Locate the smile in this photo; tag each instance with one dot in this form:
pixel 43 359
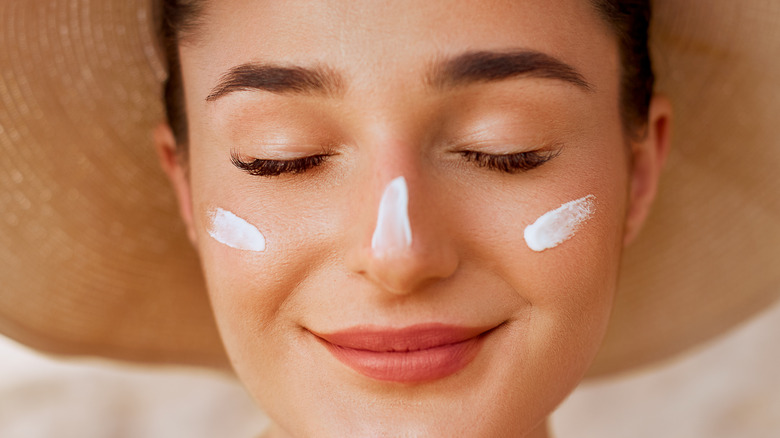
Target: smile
pixel 417 353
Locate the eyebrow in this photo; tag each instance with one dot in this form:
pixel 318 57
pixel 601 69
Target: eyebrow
pixel 277 79
pixel 464 69
pixel 486 66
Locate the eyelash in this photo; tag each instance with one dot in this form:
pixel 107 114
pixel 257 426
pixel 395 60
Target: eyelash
pixel 259 167
pixel 509 163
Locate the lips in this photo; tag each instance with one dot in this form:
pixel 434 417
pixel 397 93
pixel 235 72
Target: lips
pixel 413 354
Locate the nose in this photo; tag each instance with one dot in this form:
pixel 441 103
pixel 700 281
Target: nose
pixel 393 232
pixel 403 243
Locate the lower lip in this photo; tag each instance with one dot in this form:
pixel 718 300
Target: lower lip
pixel 409 366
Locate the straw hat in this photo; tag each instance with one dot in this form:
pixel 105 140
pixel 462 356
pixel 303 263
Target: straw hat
pixel 94 260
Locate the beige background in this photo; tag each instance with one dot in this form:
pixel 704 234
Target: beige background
pixel 727 388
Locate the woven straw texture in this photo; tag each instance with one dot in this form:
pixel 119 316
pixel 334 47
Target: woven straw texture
pixel 94 261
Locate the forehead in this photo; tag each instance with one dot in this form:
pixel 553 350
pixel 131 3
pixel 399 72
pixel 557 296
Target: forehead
pixel 385 40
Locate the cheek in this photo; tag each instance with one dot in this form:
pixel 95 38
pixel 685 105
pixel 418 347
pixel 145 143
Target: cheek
pixel 247 288
pixel 570 287
pixel 252 291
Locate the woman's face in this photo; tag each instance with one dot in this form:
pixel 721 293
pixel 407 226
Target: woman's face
pixel 453 325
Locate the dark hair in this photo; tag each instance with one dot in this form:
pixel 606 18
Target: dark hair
pixel 628 19
pixel 178 19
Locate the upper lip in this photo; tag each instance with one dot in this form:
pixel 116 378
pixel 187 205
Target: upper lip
pixel 411 338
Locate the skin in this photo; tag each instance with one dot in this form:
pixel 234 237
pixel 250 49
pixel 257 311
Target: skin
pixel 468 263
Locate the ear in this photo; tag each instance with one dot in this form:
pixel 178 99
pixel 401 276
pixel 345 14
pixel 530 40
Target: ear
pixel 648 158
pixel 176 169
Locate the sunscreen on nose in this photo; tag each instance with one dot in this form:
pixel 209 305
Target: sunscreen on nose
pixel 393 232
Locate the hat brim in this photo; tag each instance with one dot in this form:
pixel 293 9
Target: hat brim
pixel 95 260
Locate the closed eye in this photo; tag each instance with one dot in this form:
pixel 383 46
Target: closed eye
pixel 510 163
pixel 507 163
pixel 263 167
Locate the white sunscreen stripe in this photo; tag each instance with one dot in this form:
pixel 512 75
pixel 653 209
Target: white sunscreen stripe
pixel 393 231
pixel 559 225
pixel 231 230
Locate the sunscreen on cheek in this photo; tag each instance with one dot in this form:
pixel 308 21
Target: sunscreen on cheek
pixel 231 230
pixel 393 232
pixel 559 225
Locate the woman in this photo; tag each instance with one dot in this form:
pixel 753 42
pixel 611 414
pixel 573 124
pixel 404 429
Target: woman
pixel 410 217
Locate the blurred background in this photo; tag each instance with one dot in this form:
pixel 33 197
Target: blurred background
pixel 727 388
